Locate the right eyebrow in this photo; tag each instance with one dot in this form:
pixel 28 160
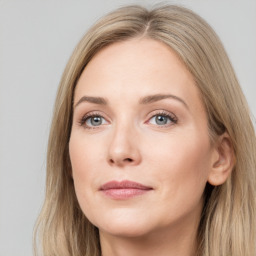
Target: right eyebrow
pixel 90 99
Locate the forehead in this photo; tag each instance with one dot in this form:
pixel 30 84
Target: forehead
pixel 135 68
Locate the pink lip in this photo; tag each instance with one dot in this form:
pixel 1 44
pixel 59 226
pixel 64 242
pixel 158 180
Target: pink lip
pixel 124 190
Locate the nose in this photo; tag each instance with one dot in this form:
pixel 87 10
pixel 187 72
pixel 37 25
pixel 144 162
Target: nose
pixel 123 147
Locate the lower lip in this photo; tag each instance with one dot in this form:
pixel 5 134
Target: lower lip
pixel 124 193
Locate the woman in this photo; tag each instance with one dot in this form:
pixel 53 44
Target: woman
pixel 151 150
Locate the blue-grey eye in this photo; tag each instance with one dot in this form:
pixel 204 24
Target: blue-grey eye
pixel 161 119
pixel 95 121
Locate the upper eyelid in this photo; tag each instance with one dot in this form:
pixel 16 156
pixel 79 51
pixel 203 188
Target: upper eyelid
pixel 92 114
pixel 162 112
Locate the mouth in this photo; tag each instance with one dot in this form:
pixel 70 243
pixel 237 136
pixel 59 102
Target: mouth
pixel 121 190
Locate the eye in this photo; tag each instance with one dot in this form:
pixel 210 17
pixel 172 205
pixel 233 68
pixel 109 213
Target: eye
pixel 163 119
pixel 94 121
pixel 91 121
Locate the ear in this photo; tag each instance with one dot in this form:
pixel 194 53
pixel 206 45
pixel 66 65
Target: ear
pixel 223 160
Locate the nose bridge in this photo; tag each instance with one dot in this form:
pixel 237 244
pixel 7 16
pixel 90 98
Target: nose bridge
pixel 123 146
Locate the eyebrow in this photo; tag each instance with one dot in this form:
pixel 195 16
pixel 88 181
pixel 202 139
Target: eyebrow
pixel 90 99
pixel 157 97
pixel 145 100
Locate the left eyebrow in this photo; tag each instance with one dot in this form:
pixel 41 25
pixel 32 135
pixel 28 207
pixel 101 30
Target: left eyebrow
pixel 157 97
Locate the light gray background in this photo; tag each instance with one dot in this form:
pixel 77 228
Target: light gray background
pixel 36 40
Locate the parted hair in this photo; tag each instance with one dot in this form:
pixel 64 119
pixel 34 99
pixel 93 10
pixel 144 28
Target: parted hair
pixel 228 225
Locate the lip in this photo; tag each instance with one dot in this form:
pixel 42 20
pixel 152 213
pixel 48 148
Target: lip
pixel 121 190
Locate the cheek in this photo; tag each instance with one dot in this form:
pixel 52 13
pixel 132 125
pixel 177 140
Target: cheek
pixel 181 172
pixel 82 164
pixel 182 165
pixel 84 154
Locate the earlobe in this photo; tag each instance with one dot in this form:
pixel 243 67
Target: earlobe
pixel 223 161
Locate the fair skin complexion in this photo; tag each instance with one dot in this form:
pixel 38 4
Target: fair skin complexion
pixel 138 117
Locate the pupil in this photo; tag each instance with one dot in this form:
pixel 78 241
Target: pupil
pixel 161 120
pixel 96 120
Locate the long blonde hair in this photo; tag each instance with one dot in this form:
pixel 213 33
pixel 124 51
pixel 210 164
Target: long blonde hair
pixel 228 223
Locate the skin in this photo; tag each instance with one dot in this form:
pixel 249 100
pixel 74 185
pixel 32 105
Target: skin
pixel 175 160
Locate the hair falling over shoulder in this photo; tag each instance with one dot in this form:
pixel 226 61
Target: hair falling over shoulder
pixel 228 223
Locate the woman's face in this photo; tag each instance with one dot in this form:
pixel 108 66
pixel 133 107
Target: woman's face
pixel 139 146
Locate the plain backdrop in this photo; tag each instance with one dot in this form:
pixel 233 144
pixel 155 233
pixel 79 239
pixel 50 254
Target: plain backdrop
pixel 36 40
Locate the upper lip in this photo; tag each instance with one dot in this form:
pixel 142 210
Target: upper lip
pixel 125 184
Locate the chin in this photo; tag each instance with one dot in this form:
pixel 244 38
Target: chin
pixel 124 224
pixel 130 231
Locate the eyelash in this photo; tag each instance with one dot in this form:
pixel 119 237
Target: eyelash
pixel 173 119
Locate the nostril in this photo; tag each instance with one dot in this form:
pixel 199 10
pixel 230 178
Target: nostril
pixel 128 160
